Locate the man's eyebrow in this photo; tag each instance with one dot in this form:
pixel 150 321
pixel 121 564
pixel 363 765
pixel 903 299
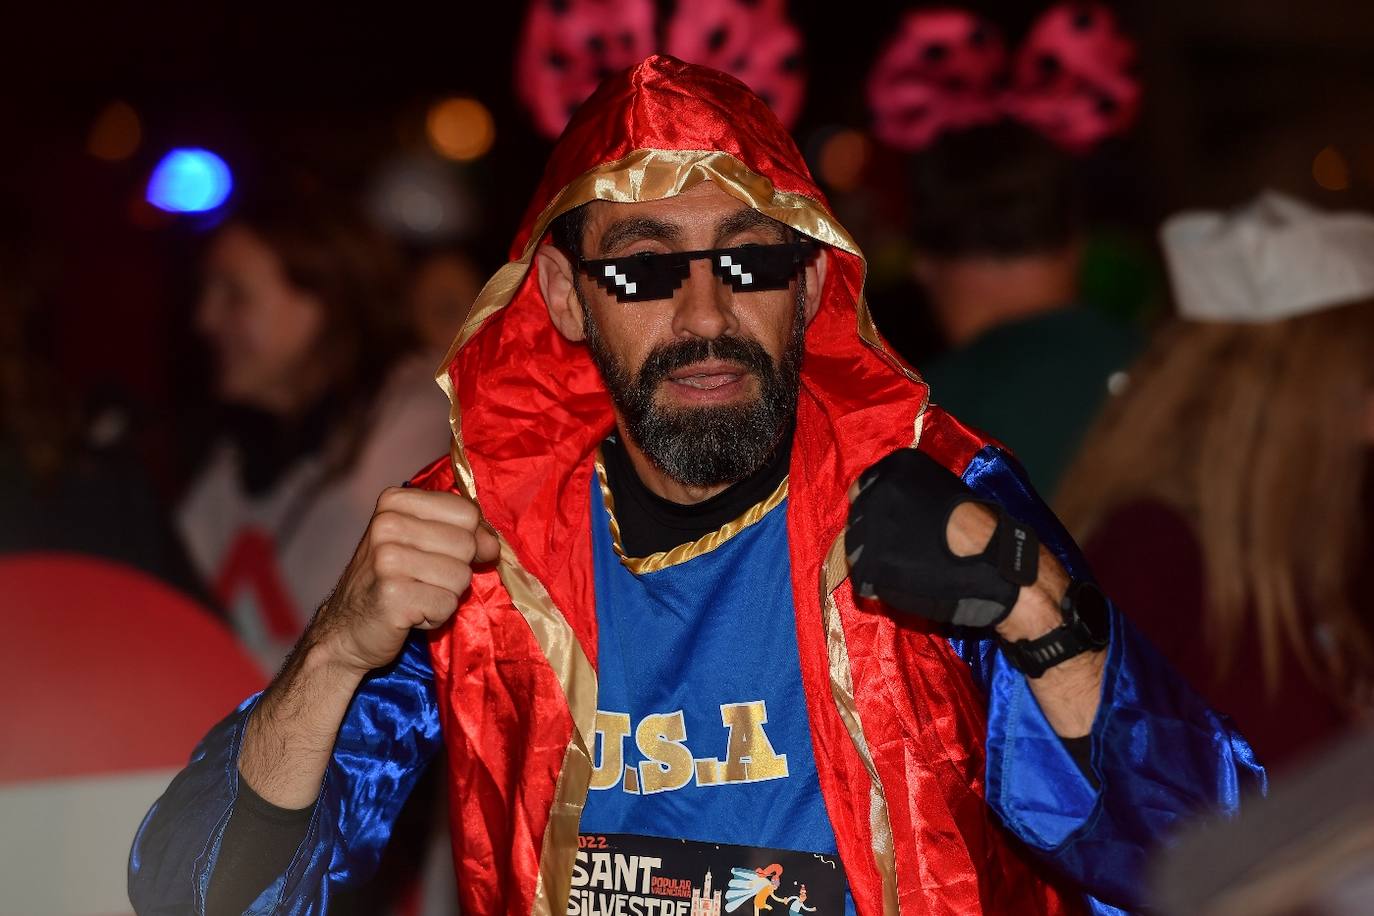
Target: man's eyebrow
pixel 742 221
pixel 634 228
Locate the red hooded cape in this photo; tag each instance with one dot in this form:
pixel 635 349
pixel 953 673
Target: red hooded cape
pixel 898 725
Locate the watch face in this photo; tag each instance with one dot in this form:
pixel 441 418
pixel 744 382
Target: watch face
pixel 1091 607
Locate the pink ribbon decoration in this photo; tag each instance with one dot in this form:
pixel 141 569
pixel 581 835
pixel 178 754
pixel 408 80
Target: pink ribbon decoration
pixel 568 47
pixel 753 42
pixel 948 69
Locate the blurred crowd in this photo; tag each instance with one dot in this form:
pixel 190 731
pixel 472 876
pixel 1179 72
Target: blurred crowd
pixel 1221 429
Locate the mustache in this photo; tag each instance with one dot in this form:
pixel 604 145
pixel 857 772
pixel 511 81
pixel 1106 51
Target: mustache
pixel 665 359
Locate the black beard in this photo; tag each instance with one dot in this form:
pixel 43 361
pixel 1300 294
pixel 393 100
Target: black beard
pixel 706 446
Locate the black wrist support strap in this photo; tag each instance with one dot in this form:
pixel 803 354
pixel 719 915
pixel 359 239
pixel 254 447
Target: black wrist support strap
pixel 898 550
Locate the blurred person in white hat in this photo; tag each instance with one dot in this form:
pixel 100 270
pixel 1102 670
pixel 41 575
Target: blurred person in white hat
pixel 1238 458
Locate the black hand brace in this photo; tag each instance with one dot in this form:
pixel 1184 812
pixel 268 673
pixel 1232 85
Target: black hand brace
pixel 898 550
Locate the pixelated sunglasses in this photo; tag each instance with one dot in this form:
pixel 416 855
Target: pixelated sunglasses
pixel 749 268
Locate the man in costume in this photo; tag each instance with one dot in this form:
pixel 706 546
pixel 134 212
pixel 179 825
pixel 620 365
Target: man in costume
pixel 661 666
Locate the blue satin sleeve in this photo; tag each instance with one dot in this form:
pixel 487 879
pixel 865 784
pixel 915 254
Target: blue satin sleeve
pixel 389 735
pixel 1160 753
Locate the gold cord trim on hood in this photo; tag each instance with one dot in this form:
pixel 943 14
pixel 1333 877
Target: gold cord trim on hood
pixel 693 549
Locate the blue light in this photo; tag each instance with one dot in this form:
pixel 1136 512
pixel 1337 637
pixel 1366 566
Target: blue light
pixel 189 181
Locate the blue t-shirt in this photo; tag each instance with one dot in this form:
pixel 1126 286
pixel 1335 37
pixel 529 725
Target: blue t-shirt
pixel 702 727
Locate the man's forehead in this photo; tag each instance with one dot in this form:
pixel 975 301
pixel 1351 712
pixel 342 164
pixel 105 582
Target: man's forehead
pixel 702 208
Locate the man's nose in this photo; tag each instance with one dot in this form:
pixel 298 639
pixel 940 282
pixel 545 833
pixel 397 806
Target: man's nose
pixel 704 307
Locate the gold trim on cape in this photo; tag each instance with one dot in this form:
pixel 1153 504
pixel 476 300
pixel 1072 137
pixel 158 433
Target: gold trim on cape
pixel 842 690
pixel 646 174
pixel 578 679
pixel 693 549
pixel 834 571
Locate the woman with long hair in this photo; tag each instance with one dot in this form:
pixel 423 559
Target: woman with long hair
pixel 1238 458
pixel 325 404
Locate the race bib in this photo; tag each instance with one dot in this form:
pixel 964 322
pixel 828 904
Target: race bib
pixel 619 874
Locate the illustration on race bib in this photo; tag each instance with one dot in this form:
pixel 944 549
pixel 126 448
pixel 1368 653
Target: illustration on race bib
pixel 797 904
pixel 759 885
pixel 632 875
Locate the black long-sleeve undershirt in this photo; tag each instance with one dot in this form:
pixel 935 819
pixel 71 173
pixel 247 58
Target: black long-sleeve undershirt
pixel 258 844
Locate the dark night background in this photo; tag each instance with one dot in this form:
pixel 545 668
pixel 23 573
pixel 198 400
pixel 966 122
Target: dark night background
pixel 320 99
pixel 1238 95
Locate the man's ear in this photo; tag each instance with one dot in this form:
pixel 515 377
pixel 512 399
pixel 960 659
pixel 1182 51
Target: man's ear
pixel 557 277
pixel 815 282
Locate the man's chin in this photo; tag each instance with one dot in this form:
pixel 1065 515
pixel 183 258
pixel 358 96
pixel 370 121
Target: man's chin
pixel 705 444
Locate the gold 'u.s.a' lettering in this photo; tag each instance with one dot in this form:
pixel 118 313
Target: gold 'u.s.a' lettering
pixel 668 763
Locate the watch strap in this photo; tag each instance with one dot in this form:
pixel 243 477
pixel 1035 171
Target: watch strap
pixel 1033 657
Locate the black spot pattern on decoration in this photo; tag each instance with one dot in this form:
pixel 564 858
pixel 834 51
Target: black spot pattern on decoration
pixel 559 7
pixel 978 37
pixel 935 53
pixel 956 84
pixel 914 114
pixel 908 74
pixel 767 99
pixel 556 60
pixel 1083 20
pixel 1048 66
pixel 740 63
pixel 596 44
pixel 627 40
pixel 1107 106
pixel 716 40
pixel 602 72
pixel 791 63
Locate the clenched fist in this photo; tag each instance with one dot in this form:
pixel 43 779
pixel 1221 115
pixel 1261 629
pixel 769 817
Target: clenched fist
pixel 919 540
pixel 409 571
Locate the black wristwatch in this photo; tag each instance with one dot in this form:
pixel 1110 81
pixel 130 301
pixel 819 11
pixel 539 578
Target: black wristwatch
pixel 1086 628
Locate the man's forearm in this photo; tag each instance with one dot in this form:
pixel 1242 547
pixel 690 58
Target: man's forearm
pixel 291 733
pixel 1069 692
pixel 409 571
